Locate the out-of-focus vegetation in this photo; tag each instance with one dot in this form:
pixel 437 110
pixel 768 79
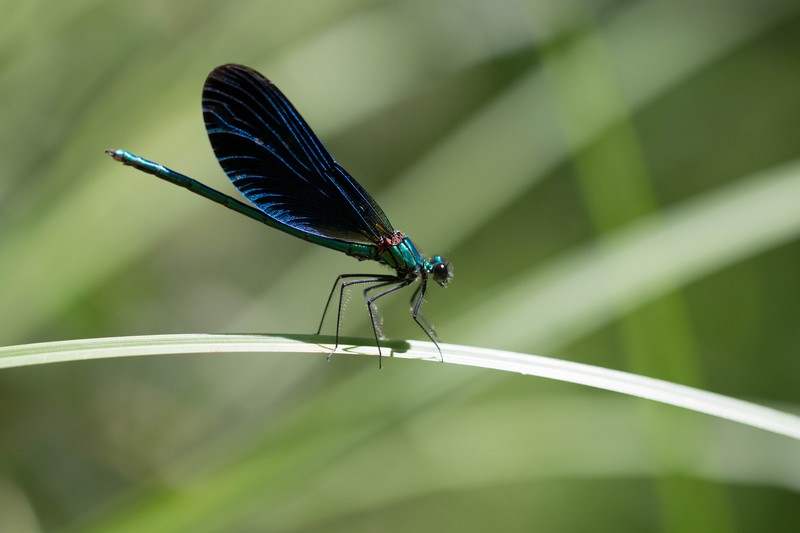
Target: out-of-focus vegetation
pixel 616 183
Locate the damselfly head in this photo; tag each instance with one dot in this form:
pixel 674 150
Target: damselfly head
pixel 441 270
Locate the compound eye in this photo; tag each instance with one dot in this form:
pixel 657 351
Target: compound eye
pixel 441 273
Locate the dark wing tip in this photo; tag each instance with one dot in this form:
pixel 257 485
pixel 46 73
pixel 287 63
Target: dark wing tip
pixel 228 70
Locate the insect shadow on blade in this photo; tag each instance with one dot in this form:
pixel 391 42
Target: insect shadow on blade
pixel 277 162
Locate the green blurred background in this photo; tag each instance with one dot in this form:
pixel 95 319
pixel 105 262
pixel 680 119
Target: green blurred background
pixel 616 183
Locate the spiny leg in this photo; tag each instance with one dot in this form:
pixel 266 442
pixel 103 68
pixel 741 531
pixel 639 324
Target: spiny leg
pixel 333 290
pixel 371 288
pixel 401 283
pixel 380 279
pixel 376 287
pixel 416 315
pixel 421 317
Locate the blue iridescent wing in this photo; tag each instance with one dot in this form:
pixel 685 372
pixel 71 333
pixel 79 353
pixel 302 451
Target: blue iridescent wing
pixel 276 161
